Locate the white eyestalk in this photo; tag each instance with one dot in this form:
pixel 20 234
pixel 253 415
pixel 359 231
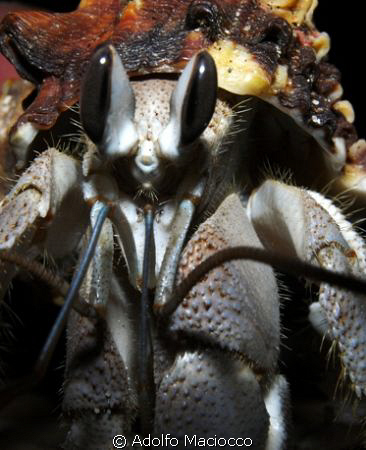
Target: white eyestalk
pixel 107 105
pixel 191 107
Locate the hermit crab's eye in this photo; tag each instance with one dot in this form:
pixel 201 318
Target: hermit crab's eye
pixel 199 97
pixel 107 104
pixel 205 15
pixel 192 105
pixel 96 94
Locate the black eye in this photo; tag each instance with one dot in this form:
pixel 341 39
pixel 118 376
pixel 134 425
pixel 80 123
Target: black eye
pixel 205 15
pixel 200 98
pixel 96 94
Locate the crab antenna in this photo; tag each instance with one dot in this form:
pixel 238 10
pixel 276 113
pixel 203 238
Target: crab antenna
pixel 146 375
pixel 27 382
pixel 107 104
pixel 284 263
pixel 192 105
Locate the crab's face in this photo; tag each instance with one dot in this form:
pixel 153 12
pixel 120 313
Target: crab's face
pixel 149 131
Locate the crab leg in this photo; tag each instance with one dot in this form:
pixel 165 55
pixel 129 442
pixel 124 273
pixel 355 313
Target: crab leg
pixel 179 229
pixel 96 286
pixel 301 223
pixel 41 208
pixel 100 396
pixel 234 309
pixel 55 333
pixel 60 323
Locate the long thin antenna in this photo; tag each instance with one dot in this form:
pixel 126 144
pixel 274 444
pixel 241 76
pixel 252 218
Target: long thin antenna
pixel 146 369
pixel 290 265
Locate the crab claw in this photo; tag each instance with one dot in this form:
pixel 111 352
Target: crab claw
pixel 191 106
pixel 107 105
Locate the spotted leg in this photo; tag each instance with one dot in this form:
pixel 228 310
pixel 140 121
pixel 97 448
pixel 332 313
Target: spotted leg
pixel 217 371
pixel 306 225
pixel 43 212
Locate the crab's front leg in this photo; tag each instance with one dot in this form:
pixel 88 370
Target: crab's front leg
pixel 222 379
pixel 44 211
pixel 304 224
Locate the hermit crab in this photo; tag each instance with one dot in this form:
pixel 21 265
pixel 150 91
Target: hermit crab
pixel 190 117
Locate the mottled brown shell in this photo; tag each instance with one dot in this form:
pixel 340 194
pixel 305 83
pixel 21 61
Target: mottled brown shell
pixel 266 48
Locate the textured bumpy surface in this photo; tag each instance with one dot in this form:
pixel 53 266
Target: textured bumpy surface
pixel 222 308
pixel 232 329
pixel 303 223
pixel 98 389
pixel 224 392
pixel 32 204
